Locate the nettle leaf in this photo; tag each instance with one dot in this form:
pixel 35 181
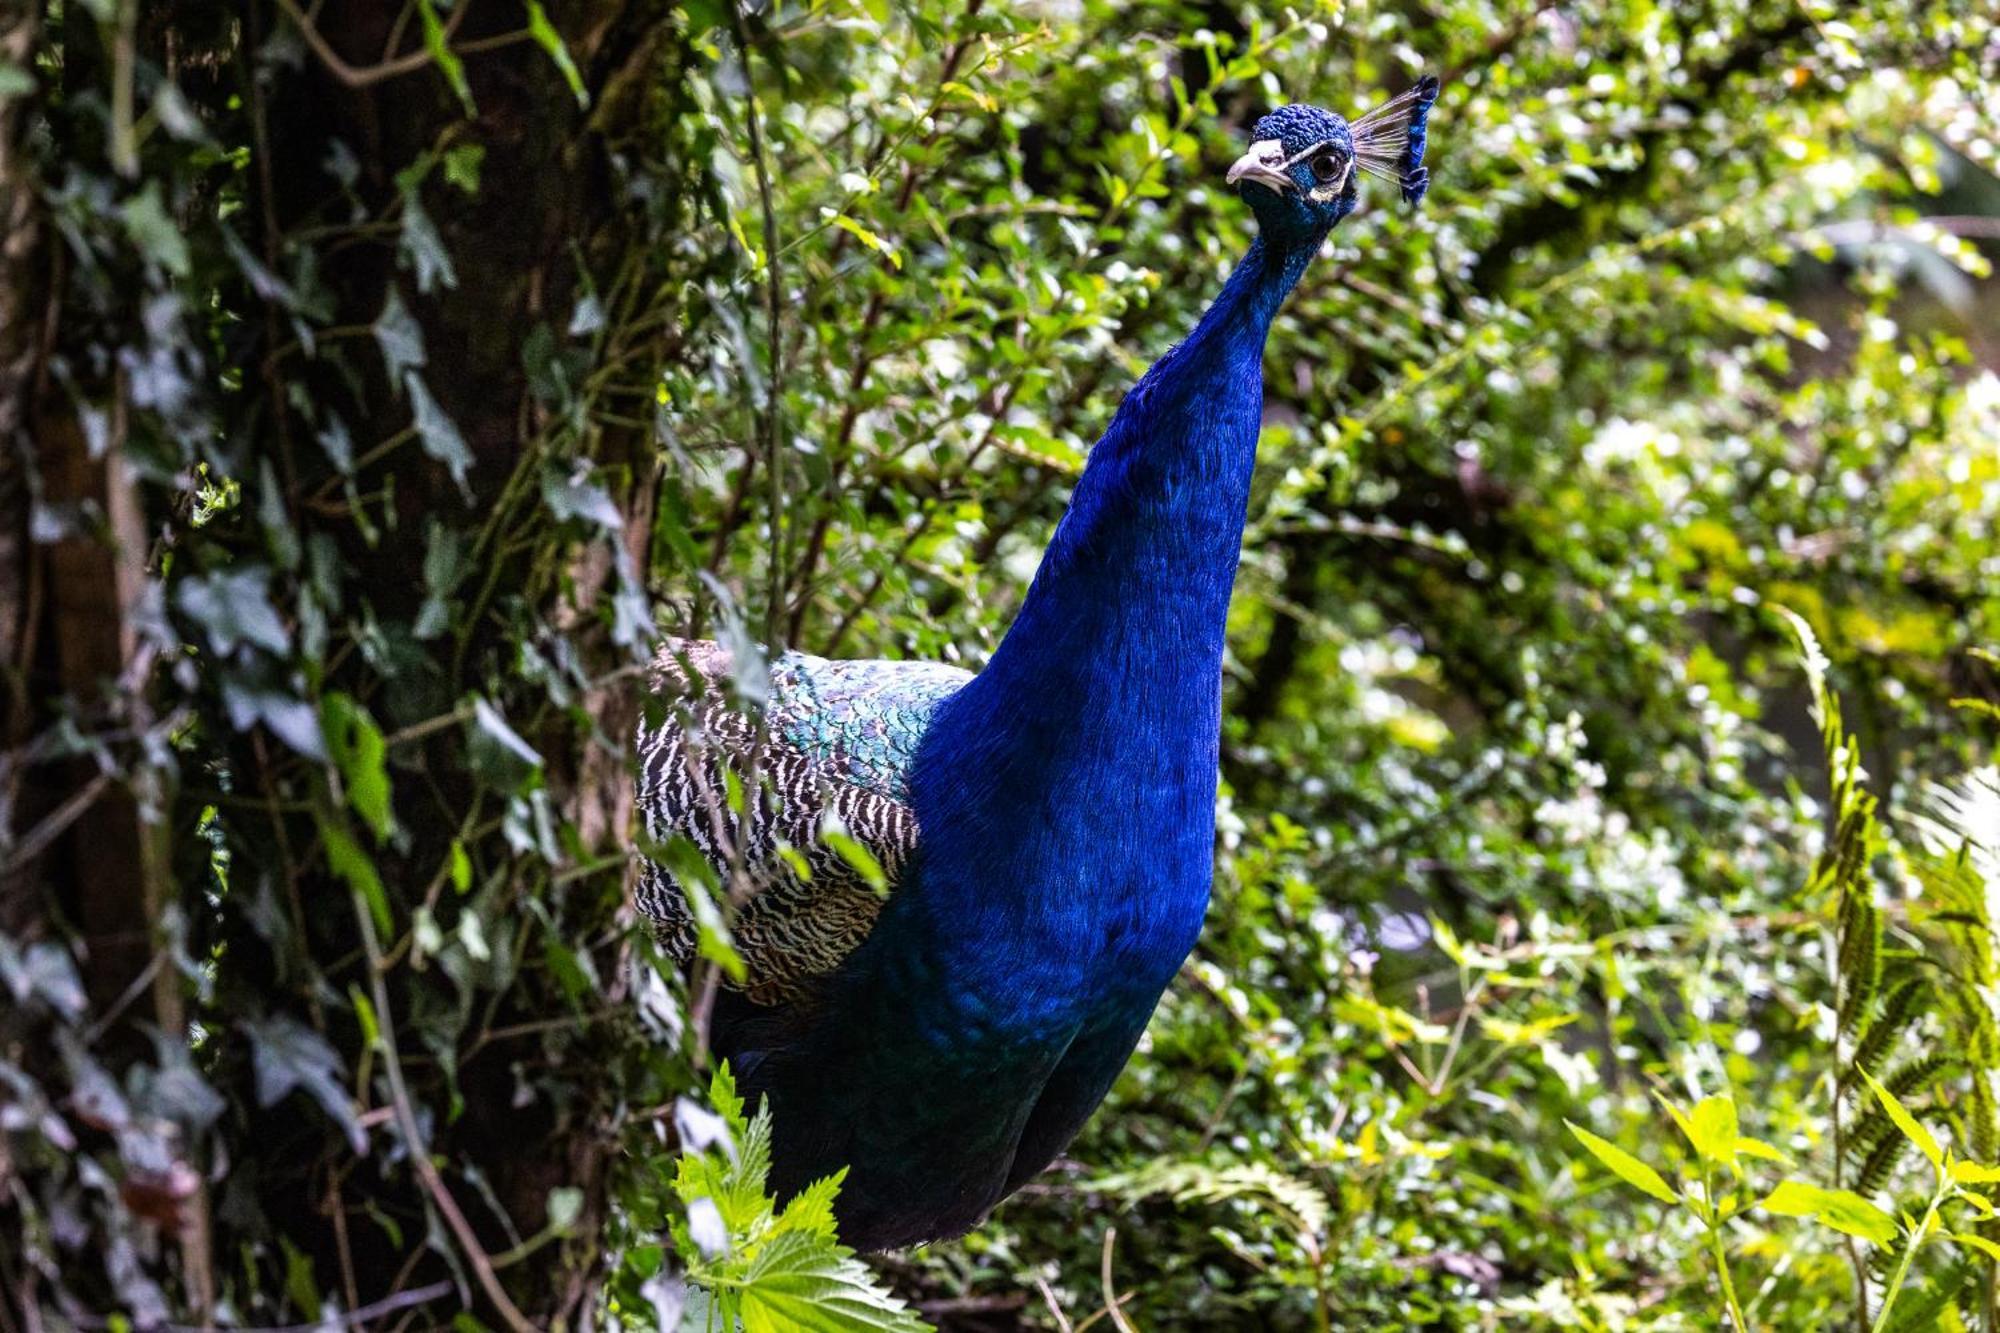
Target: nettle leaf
pixel 286 1055
pixel 1625 1166
pixel 800 1282
pixel 1843 1210
pixel 1911 1128
pixel 1712 1130
pixel 361 756
pixel 1990 1249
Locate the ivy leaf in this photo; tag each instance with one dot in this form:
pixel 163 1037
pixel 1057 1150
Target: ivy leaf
pixel 360 754
pixel 346 859
pixel 551 42
pixel 421 244
pixel 800 1282
pixel 500 758
pixel 1912 1128
pixel 576 496
pixel 290 718
pixel 438 433
pixel 399 336
pixel 1625 1166
pixel 235 607
pixel 438 42
pixel 1843 1210
pixel 462 164
pixel 286 1055
pixel 157 236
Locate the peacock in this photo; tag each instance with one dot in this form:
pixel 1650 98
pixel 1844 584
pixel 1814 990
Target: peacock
pixel 1003 871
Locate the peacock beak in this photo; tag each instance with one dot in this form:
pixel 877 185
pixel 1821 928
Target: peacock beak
pixel 1261 165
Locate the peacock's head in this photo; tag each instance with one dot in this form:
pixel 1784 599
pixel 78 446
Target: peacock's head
pixel 1301 175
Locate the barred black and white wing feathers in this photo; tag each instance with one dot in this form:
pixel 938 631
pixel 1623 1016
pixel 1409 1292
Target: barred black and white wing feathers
pixel 842 736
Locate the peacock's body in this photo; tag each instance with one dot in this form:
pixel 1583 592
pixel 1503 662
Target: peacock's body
pixel 1047 826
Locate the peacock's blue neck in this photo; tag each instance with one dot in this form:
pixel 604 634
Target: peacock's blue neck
pixel 1136 582
pixel 1067 793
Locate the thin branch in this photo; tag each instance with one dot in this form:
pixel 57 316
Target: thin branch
pixel 774 387
pixel 361 76
pixel 413 1141
pixel 50 828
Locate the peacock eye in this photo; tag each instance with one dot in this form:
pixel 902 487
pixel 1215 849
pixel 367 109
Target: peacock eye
pixel 1325 167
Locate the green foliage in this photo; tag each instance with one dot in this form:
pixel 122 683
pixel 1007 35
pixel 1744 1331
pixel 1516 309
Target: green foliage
pixel 751 1261
pixel 1561 973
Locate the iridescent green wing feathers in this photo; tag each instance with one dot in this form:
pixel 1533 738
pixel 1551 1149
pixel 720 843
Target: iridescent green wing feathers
pixel 842 738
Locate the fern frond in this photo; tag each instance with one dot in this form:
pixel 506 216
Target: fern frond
pixel 1877 1036
pixel 1920 1074
pixel 1982 1119
pixel 1880 1161
pixel 1860 963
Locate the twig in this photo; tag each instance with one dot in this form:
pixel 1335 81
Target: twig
pixel 774 388
pixel 50 828
pixel 1111 1299
pixel 402 1300
pixel 413 1141
pixel 1049 1299
pixel 361 76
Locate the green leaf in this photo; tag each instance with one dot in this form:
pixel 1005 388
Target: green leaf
pixel 1749 1147
pixel 868 238
pixel 1843 1210
pixel 857 856
pixel 551 42
pixel 1972 1173
pixel 1712 1129
pixel 157 235
pixel 1625 1166
pixel 346 859
pixel 565 1206
pixel 360 754
pixel 462 164
pixel 1986 1247
pixel 438 43
pixel 1911 1127
pixel 800 1282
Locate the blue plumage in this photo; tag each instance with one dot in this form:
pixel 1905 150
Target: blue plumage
pixel 1063 800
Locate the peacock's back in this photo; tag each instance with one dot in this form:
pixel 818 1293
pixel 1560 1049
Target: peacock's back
pixel 841 738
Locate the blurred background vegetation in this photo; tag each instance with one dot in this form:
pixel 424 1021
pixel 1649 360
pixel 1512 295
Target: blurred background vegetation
pixel 379 379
